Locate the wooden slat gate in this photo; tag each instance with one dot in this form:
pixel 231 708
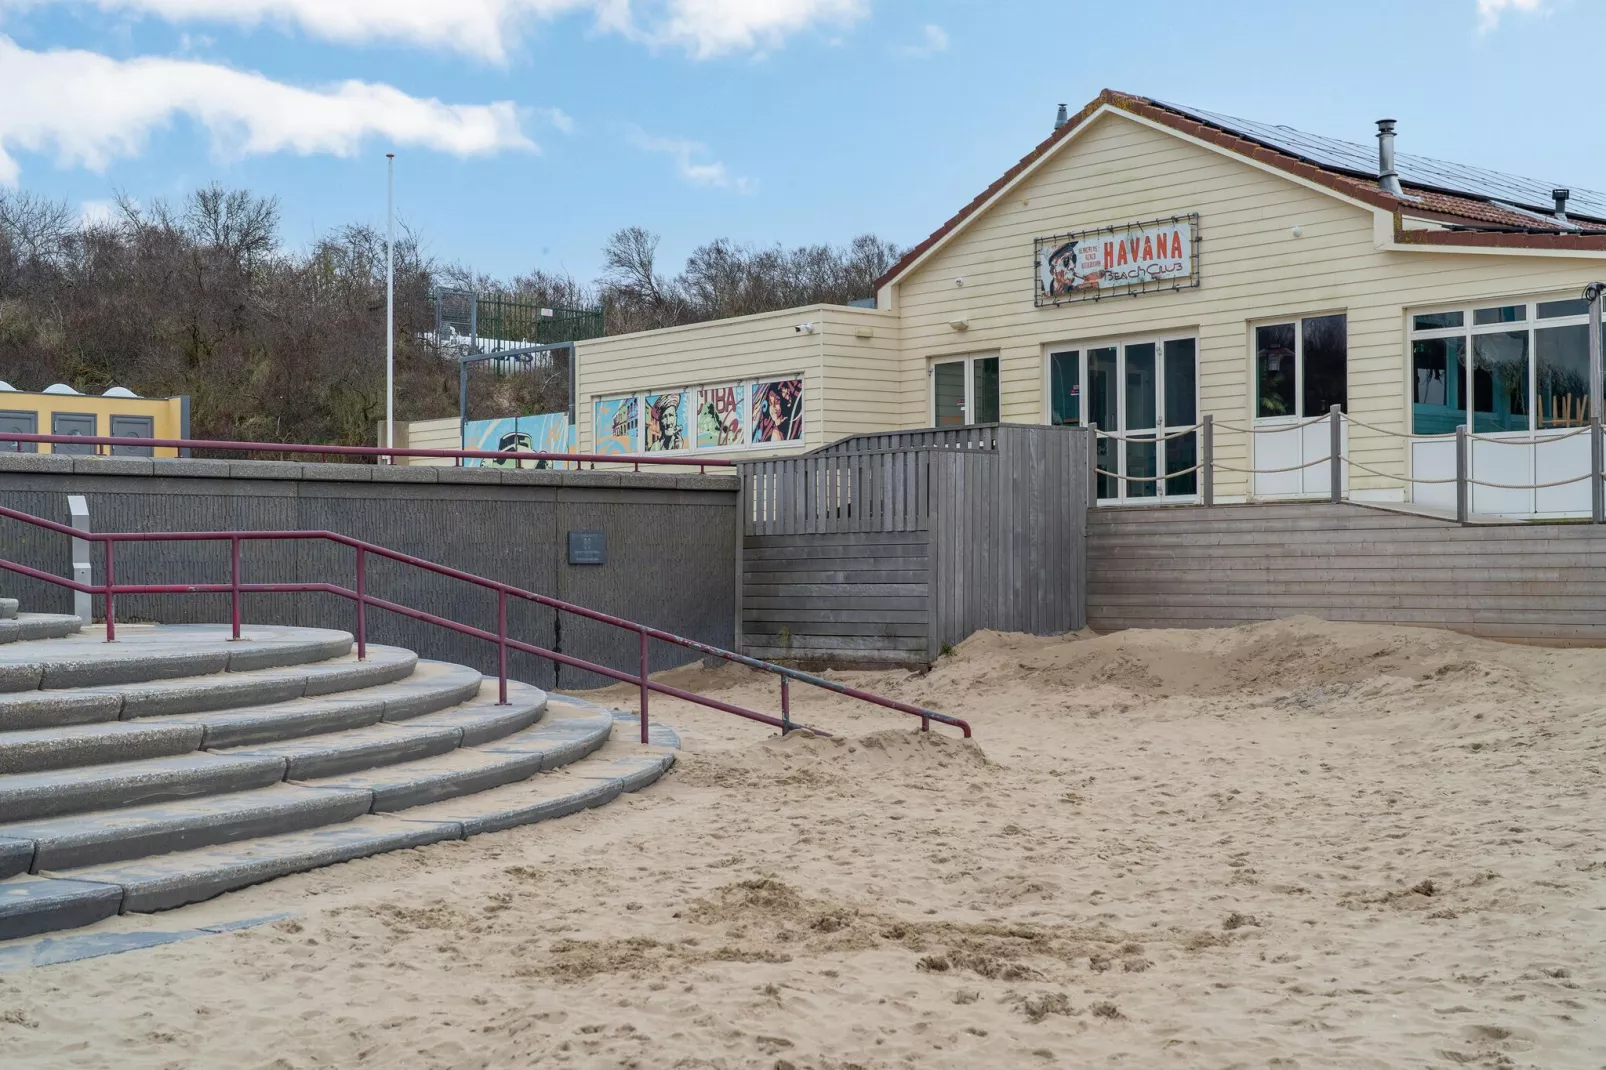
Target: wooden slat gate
pixel 883 554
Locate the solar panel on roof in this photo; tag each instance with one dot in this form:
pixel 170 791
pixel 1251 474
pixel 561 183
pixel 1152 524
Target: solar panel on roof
pixel 1441 175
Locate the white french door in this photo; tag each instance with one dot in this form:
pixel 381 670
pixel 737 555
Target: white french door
pixel 1140 392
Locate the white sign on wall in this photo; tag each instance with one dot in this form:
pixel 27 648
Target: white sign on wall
pixel 1129 258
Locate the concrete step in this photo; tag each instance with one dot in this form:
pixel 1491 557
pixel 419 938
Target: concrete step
pixel 388 744
pixel 171 880
pixel 555 742
pixel 159 828
pixel 205 692
pixel 24 796
pixel 432 686
pixel 188 876
pixel 8 608
pixel 35 750
pixel 25 627
pixel 615 768
pixel 149 652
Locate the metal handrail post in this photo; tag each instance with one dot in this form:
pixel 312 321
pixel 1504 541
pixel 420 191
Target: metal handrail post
pixel 1461 488
pixel 111 597
pixel 1207 459
pixel 644 685
pixel 362 604
pixel 786 705
pixel 234 587
pixel 501 648
pixel 1336 447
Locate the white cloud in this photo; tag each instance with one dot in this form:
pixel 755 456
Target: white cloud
pixel 933 39
pixel 487 28
pixel 713 174
pixel 90 109
pixel 99 213
pixel 1489 11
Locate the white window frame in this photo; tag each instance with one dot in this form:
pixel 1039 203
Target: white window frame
pixel 969 361
pixel 1297 320
pixel 1467 330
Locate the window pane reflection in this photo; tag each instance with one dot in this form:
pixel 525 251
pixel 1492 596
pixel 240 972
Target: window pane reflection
pixel 1500 381
pixel 1274 368
pixel 1562 358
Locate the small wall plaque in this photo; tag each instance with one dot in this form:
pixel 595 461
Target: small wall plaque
pixel 587 548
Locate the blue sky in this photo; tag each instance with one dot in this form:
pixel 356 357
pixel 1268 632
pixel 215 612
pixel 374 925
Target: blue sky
pixel 528 130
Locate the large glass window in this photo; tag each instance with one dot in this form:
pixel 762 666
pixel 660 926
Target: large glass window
pixel 1302 368
pixel 964 391
pixel 1064 388
pixel 1529 367
pixel 1138 392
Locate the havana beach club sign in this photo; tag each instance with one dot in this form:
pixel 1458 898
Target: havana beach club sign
pixel 1159 254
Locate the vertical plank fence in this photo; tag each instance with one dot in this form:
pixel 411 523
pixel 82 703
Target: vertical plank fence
pixel 881 549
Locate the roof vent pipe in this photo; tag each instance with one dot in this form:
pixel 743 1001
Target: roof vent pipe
pixel 1387 177
pixel 1062 118
pixel 1561 196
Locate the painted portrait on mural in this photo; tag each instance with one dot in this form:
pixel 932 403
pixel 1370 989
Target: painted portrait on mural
pixel 617 422
pixel 778 411
pixel 719 417
pixel 667 423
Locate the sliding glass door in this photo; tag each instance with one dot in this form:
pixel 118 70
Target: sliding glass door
pixel 1139 391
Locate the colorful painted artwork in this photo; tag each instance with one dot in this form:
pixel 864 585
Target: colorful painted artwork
pixel 547 433
pixel 616 425
pixel 500 434
pixel 719 417
pixel 668 422
pixel 777 409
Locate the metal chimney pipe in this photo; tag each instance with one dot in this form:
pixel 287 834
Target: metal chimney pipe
pixel 1387 177
pixel 1561 196
pixel 1062 118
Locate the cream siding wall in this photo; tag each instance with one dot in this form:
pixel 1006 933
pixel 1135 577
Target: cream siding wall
pixel 1253 269
pixel 868 385
pixel 705 354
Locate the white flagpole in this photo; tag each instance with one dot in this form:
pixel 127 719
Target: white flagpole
pixel 390 304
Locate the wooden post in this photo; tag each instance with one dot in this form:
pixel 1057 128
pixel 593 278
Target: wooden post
pixel 1092 466
pixel 1335 416
pixel 1207 460
pixel 1461 489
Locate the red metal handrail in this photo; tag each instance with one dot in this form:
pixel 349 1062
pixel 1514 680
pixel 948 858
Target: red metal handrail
pixel 110 589
pixel 634 459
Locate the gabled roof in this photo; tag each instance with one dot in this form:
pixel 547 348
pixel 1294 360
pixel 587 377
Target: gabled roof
pixel 1478 207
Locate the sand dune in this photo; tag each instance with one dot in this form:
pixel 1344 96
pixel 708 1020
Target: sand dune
pixel 1297 844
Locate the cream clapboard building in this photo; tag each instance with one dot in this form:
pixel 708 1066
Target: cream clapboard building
pixel 1307 278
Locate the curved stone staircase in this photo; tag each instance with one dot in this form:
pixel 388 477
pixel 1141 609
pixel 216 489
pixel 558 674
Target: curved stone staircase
pixel 177 764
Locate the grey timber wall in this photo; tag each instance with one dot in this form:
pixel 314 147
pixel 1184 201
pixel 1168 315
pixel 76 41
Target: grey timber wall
pixel 883 552
pixel 1196 567
pixel 671 548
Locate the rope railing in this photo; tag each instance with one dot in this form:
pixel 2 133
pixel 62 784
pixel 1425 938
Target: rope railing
pixel 1342 461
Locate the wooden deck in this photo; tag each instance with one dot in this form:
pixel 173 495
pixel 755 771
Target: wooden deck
pixel 1197 567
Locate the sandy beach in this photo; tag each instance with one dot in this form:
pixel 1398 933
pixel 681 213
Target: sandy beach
pixel 1295 844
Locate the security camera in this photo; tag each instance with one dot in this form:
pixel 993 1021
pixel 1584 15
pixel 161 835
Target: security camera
pixel 804 328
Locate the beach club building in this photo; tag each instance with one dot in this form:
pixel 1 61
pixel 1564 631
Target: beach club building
pixel 1148 264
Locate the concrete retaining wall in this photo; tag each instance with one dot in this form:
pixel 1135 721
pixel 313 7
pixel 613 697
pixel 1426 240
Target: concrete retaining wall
pixel 671 548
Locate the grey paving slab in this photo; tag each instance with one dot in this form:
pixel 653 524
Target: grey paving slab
pixel 24 796
pixel 404 473
pixel 181 825
pixel 347 473
pixel 33 905
pixel 56 950
pixel 16 856
pixel 35 750
pixel 8 608
pixel 429 688
pixel 264 470
pixel 559 740
pixel 94 465
pixel 191 876
pixel 460 772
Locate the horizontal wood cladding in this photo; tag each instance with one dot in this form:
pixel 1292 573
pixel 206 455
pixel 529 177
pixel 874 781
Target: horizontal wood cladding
pixel 844 597
pixel 1228 565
